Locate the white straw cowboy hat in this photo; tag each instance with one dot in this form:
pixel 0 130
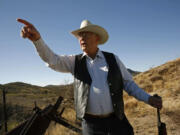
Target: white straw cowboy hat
pixel 88 26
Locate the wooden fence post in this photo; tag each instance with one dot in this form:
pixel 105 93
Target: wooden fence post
pixel 4 110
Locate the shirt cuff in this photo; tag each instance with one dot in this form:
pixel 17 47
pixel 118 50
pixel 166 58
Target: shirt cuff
pixel 38 42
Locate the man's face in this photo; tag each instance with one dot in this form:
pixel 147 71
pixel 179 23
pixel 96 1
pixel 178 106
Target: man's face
pixel 88 41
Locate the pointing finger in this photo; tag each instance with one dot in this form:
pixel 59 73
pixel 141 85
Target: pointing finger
pixel 29 31
pixel 24 22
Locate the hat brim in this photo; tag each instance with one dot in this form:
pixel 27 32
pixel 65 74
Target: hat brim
pixel 95 29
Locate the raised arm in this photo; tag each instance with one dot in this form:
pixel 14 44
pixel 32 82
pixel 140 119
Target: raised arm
pixel 61 63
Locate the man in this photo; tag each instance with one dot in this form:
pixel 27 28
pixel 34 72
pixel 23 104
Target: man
pixel 99 80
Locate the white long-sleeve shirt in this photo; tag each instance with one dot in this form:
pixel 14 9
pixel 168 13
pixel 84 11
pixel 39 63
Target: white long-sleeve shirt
pixel 99 101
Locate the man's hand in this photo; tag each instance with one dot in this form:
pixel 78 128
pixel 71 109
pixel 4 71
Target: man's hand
pixel 155 101
pixel 29 31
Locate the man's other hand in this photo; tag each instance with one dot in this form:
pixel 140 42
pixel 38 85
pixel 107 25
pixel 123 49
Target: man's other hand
pixel 155 101
pixel 29 31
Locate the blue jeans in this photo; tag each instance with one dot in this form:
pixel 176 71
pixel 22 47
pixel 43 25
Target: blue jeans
pixel 106 126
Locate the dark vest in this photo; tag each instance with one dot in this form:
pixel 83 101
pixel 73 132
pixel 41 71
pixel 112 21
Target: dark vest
pixel 82 83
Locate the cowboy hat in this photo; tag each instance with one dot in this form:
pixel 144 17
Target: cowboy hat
pixel 88 26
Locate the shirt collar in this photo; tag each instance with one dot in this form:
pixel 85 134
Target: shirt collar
pixel 98 55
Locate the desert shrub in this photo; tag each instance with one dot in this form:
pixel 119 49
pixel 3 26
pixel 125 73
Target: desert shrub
pixel 163 71
pixel 156 78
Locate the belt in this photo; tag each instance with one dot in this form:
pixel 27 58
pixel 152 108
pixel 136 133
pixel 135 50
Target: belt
pixel 87 115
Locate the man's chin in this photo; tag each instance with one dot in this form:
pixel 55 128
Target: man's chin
pixel 84 49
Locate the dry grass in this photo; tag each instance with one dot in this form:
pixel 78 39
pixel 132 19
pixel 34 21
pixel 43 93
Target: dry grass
pixel 165 81
pixel 56 129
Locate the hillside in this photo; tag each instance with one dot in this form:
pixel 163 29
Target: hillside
pixel 163 80
pixel 20 98
pixel 132 72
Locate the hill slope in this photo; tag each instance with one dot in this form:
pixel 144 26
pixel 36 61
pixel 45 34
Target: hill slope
pixel 165 81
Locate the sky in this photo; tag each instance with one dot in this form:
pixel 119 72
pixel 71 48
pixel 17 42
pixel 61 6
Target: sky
pixel 142 33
